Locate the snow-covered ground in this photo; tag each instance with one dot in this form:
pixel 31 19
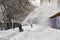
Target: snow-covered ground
pixel 37 32
pixel 47 34
pixel 7 34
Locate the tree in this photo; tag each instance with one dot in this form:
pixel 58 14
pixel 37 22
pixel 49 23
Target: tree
pixel 12 8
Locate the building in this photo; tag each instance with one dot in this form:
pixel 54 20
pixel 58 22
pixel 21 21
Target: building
pixel 55 21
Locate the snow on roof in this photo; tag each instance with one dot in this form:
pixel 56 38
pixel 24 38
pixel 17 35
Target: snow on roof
pixel 54 13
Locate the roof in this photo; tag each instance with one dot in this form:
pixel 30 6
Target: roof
pixel 55 15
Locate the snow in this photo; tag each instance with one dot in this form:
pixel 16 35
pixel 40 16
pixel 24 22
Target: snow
pixel 7 34
pixel 37 32
pixel 42 14
pixel 45 34
pixel 40 30
pixel 34 28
